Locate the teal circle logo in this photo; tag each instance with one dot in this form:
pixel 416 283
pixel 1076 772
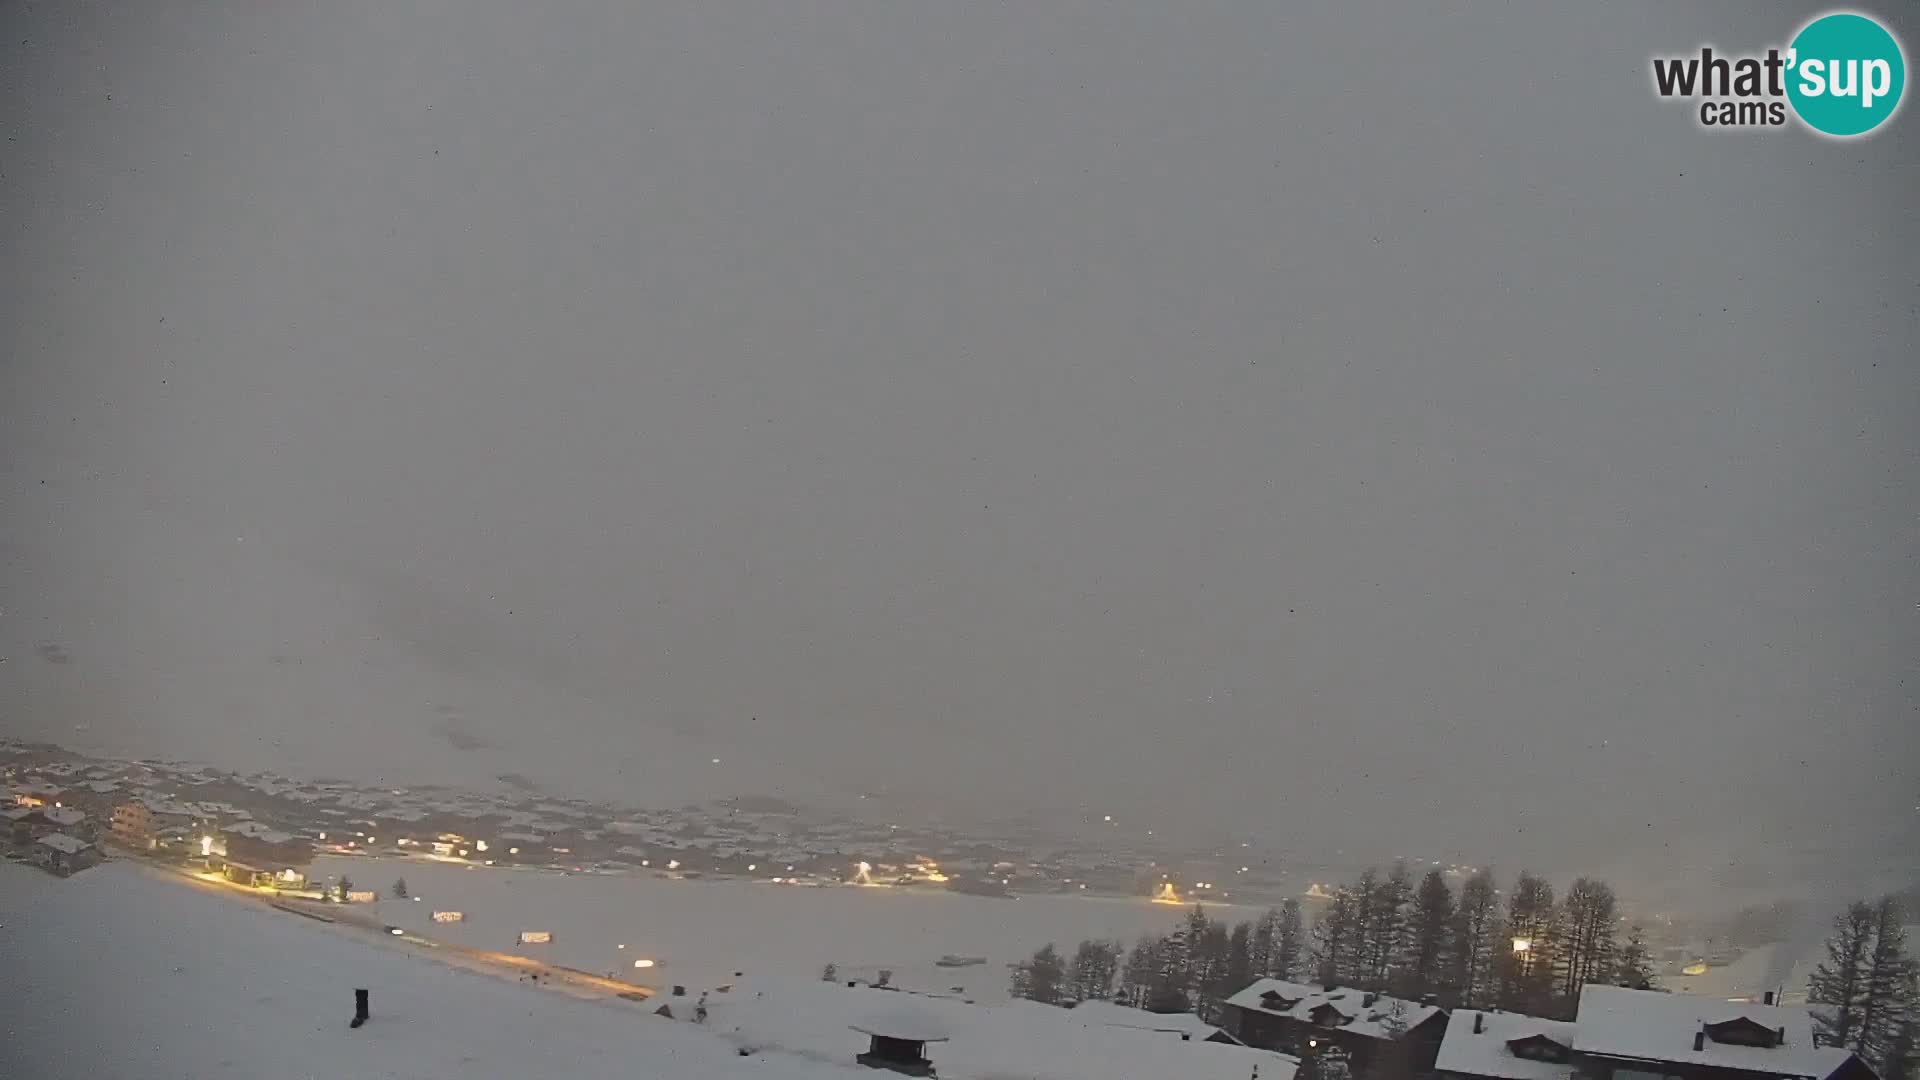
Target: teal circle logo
pixel 1846 74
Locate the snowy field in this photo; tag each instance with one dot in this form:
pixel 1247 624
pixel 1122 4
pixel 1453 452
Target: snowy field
pixel 701 932
pixel 127 972
pixel 118 973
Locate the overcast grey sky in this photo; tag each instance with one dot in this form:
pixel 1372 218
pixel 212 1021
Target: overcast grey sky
pixel 1382 429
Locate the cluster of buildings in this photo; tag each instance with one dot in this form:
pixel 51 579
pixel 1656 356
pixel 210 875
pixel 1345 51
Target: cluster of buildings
pixel 1616 1034
pixel 266 828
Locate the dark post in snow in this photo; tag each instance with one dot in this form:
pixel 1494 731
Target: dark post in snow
pixel 359 1007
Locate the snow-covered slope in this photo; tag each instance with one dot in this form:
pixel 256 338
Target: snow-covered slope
pixel 119 973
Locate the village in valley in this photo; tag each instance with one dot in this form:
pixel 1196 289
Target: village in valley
pixel 1394 975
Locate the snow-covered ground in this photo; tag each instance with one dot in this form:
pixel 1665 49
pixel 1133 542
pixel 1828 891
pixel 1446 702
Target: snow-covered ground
pixel 701 932
pixel 117 972
pixel 124 971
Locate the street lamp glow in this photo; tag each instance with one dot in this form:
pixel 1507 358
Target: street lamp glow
pixel 643 963
pixel 1521 945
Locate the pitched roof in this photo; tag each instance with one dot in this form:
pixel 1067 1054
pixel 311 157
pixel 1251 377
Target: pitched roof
pixel 1365 1013
pixel 1488 1052
pixel 1652 1026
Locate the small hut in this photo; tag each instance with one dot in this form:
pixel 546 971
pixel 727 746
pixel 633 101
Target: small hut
pixel 900 1041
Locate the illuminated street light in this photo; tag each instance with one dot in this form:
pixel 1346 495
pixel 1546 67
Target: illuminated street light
pixel 1521 945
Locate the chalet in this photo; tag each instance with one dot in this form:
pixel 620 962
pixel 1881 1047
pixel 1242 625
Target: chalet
pixel 64 854
pixel 1504 1046
pixel 1622 1034
pixel 1302 1019
pixel 66 819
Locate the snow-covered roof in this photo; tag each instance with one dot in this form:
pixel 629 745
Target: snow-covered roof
pixel 101 787
pixel 1112 1015
pixel 1486 1052
pixel 64 816
pixel 64 843
pixel 902 1021
pixel 1652 1026
pixel 17 813
pixel 256 831
pixel 1366 1013
pixel 1024 1039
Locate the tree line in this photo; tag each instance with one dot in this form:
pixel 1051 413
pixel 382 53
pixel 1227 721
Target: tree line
pixel 1382 932
pixel 1864 993
pixel 1532 954
pixel 1193 968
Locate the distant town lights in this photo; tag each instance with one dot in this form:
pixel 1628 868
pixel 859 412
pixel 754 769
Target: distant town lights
pixel 643 963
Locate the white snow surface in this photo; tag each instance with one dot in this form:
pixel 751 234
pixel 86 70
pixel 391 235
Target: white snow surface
pixel 1656 1026
pixel 984 1042
pixel 1174 1025
pixel 116 972
pixel 700 932
pixel 1486 1054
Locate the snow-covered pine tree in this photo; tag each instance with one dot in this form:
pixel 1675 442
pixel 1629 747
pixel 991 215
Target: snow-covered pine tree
pixel 1837 989
pixel 1288 942
pixel 1041 978
pixel 1239 971
pixel 1138 973
pixel 1094 965
pixel 1260 946
pixel 1634 967
pixel 1889 999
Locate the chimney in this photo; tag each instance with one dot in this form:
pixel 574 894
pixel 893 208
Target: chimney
pixel 1766 998
pixel 1366 1001
pixel 359 1008
pixel 1700 1040
pixel 1780 1035
pixel 1479 1023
